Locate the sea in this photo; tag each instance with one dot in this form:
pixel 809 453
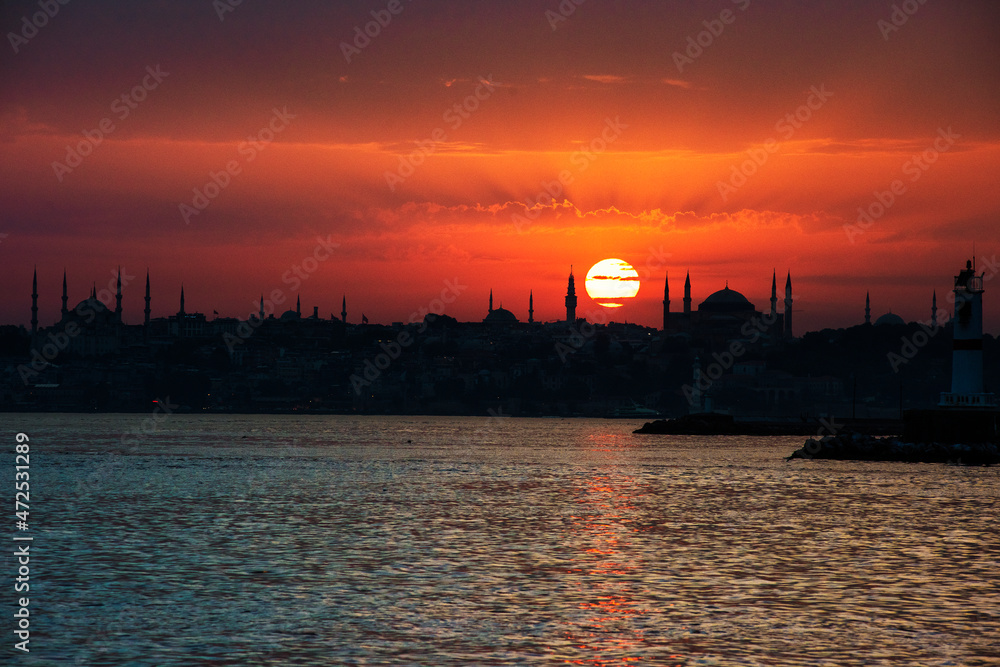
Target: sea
pixel 172 539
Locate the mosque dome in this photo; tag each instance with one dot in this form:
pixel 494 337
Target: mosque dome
pixel 290 316
pixel 726 301
pixel 890 319
pixel 500 316
pixel 92 304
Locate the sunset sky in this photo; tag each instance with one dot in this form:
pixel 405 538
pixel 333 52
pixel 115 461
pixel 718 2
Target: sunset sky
pixel 427 156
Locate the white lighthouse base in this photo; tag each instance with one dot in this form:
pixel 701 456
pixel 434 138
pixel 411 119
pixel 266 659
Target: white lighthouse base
pixel 950 400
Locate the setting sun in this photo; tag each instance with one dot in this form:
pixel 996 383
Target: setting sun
pixel 611 282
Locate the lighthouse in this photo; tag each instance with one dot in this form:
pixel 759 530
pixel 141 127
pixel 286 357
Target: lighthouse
pixel 967 345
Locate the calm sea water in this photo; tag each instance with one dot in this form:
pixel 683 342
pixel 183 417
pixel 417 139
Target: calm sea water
pixel 275 540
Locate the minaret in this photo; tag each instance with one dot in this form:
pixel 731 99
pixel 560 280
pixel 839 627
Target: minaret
pixel 118 297
pixel 65 298
pixel 687 294
pixel 934 321
pixel 868 308
pixel 967 344
pixel 531 307
pixel 145 312
pixel 666 301
pixel 343 310
pixel 298 305
pixel 774 295
pixel 260 315
pixel 788 306
pixel 181 312
pixel 570 298
pixel 491 302
pixel 34 302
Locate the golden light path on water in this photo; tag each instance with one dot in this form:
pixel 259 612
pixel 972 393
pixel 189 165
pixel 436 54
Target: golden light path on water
pixel 278 540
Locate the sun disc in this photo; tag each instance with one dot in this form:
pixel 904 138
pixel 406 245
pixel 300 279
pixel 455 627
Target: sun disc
pixel 612 282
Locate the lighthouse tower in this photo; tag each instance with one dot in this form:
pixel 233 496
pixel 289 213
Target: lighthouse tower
pixel 967 345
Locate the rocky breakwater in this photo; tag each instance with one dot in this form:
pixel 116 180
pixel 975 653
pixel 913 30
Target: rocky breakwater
pixel 852 446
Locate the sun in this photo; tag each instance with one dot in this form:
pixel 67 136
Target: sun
pixel 612 282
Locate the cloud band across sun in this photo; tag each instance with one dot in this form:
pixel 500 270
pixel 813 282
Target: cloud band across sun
pixel 612 282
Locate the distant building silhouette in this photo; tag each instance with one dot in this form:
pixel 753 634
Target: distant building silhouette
pixel 65 297
pixel 967 345
pixel 788 306
pixel 571 298
pixel 34 302
pixel 666 301
pixel 499 316
pixel 687 294
pixel 145 311
pixel 725 313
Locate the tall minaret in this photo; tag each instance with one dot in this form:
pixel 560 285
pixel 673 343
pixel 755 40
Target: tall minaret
pixel 343 310
pixel 531 307
pixel 788 306
pixel 491 302
pixel 774 295
pixel 145 312
pixel 687 294
pixel 181 312
pixel 118 297
pixel 934 321
pixel 868 308
pixel 967 344
pixel 260 315
pixel 570 298
pixel 298 305
pixel 666 301
pixel 34 302
pixel 65 298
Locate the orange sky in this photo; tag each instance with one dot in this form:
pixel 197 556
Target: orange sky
pixel 646 151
